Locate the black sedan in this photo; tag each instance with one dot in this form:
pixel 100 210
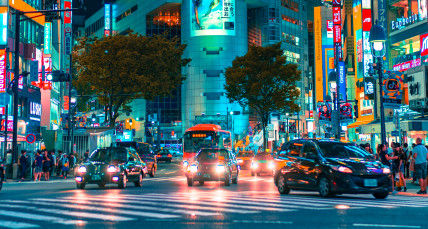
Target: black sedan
pixel 164 155
pixel 330 167
pixel 114 165
pixel 213 165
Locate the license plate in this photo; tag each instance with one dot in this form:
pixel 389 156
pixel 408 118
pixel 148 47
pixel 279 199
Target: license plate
pixel 370 182
pixel 96 177
pixel 207 175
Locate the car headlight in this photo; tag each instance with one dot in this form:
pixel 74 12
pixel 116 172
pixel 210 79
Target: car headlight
pixel 82 169
pixel 255 165
pixel 386 170
pixel 112 169
pixel 239 160
pixel 342 169
pixel 220 168
pixel 193 168
pixel 185 164
pixel 271 165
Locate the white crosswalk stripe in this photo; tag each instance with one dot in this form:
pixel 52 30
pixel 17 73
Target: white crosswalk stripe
pixel 176 206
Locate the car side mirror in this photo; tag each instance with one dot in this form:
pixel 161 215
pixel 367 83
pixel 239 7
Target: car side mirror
pixel 311 156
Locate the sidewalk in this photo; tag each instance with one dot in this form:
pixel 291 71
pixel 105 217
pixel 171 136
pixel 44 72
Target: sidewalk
pixel 412 189
pixel 54 178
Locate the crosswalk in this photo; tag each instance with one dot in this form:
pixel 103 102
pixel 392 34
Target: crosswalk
pixel 177 206
pixel 264 179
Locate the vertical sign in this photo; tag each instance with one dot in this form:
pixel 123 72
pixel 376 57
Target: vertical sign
pixel 318 54
pixel 2 70
pixel 3 25
pixel 67 35
pixel 342 81
pixel 47 38
pixel 47 66
pixel 107 19
pixel 329 29
pixel 382 14
pixel 367 54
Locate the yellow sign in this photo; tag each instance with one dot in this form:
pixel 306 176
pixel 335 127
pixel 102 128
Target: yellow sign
pixel 199 135
pixel 318 54
pixel 331 63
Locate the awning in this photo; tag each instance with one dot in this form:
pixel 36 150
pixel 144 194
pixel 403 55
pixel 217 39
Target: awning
pixel 357 124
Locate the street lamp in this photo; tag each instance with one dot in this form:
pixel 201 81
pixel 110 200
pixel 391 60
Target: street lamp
pixel 377 40
pixel 333 80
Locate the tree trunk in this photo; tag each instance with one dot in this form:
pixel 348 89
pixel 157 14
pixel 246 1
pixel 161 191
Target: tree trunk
pixel 264 124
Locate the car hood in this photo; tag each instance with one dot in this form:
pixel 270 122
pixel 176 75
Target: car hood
pixel 357 165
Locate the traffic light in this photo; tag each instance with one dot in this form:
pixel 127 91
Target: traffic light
pixel 356 110
pixel 59 76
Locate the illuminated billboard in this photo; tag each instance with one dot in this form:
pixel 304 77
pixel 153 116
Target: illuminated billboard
pixel 47 38
pixel 2 70
pixel 3 25
pixel 212 17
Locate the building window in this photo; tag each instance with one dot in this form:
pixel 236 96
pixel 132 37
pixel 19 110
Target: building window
pixel 127 13
pixel 290 19
pixel 289 4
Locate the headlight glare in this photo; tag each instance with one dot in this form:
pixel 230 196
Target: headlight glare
pixel 185 164
pixel 239 160
pixel 193 168
pixel 342 169
pixel 386 170
pixel 271 165
pixel 82 169
pixel 254 165
pixel 112 169
pixel 220 168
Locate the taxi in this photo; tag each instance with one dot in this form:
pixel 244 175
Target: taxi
pixel 113 165
pixel 262 163
pixel 213 165
pixel 244 159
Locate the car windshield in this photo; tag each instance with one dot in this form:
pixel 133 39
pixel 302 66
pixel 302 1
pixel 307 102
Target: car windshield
pixel 263 156
pixel 212 155
pixel 111 154
pixel 126 144
pixel 245 154
pixel 343 150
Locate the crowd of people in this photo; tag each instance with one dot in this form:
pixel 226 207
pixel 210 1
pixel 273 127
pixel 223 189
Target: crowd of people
pixel 47 164
pixel 405 163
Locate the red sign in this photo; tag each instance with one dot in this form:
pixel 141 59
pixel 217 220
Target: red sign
pixel 9 125
pixel 424 44
pixel 31 138
pixel 2 70
pixel 2 110
pixel 407 65
pixel 107 32
pixel 329 26
pixel 66 104
pixel 337 33
pixel 336 16
pixel 367 20
pixel 67 14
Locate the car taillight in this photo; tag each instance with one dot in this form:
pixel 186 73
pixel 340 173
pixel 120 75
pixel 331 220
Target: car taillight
pixel 169 155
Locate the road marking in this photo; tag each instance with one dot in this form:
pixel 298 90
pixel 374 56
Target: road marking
pixel 65 212
pixel 37 217
pixel 262 222
pixel 186 206
pixel 16 225
pixel 116 205
pixel 382 225
pixel 90 208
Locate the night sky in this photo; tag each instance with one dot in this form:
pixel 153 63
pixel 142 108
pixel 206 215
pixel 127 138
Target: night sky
pixel 93 6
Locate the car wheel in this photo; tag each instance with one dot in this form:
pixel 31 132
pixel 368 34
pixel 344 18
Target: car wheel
pixel 1 181
pixel 169 161
pixel 80 185
pixel 324 187
pixel 380 195
pixel 101 185
pixel 152 172
pixel 235 180
pixel 139 182
pixel 122 183
pixel 201 182
pixel 258 174
pixel 189 181
pixel 282 185
pixel 227 180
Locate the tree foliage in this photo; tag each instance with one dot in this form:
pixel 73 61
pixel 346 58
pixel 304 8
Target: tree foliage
pixel 263 81
pixel 121 68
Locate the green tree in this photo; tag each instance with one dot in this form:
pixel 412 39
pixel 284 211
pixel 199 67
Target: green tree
pixel 263 81
pixel 121 68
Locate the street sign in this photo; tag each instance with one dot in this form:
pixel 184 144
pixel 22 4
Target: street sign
pixel 34 70
pixel 395 133
pixel 31 138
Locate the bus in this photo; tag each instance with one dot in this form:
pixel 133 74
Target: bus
pixel 204 136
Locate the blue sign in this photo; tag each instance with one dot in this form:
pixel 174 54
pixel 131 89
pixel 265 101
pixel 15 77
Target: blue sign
pixel 342 80
pixel 395 133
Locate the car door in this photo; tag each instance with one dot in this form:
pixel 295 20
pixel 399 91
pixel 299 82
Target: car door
pixel 139 164
pixel 131 165
pixel 233 164
pixel 309 166
pixel 291 163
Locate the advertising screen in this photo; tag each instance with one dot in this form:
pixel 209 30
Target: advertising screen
pixel 329 29
pixel 3 70
pixel 346 114
pixel 212 17
pixel 324 111
pixel 424 44
pixel 422 9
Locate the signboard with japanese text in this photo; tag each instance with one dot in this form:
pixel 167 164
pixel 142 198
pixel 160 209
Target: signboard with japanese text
pixel 337 18
pixel 342 81
pixel 337 33
pixel 367 19
pixel 47 38
pixel 3 25
pixel 392 89
pixel 212 17
pixel 424 44
pixel 67 35
pixel 329 29
pixel 407 65
pixel 3 74
pixel 107 19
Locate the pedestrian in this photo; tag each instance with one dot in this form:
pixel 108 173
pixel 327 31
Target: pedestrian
pixel 53 163
pixel 406 152
pixel 400 165
pixel 65 166
pixel 420 155
pixel 38 168
pixel 412 165
pixel 385 160
pixel 59 163
pixel 86 156
pixel 46 164
pixel 369 149
pixel 71 160
pixel 24 163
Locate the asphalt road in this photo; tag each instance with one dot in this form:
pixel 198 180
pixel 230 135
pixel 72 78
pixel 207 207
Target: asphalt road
pixel 167 202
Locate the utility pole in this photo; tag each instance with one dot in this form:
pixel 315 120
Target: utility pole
pixel 15 88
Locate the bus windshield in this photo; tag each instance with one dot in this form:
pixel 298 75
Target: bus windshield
pixel 195 140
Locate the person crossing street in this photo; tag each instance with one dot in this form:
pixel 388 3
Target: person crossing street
pixel 420 154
